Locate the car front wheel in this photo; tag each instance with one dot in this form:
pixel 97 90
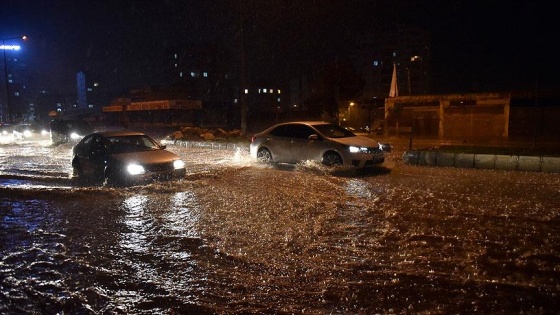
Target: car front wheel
pixel 263 155
pixel 332 159
pixel 110 178
pixel 78 177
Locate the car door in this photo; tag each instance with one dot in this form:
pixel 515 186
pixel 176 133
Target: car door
pixel 279 142
pixel 92 156
pixel 303 146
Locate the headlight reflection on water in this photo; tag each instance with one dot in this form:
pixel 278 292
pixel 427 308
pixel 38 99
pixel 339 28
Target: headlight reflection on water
pixel 183 216
pixel 138 223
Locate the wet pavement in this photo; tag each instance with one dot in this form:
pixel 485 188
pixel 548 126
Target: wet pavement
pixel 237 237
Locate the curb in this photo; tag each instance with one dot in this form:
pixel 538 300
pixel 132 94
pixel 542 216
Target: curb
pixel 544 164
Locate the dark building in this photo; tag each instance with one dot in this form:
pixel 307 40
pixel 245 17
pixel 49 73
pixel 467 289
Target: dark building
pixel 204 72
pixel 16 100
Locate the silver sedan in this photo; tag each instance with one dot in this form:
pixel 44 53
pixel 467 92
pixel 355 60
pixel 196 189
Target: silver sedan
pixel 319 141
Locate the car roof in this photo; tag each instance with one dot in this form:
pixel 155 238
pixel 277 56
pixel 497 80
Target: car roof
pixel 306 122
pixel 120 133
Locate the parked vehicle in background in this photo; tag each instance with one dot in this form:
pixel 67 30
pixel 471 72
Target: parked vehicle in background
pixel 124 157
pixel 6 130
pixel 64 130
pixel 319 141
pixel 30 132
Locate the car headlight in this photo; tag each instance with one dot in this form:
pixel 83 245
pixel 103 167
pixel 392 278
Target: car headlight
pixel 44 132
pixel 178 164
pixel 353 149
pixel 135 169
pixel 74 135
pixel 27 133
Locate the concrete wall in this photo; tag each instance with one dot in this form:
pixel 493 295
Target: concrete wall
pixel 483 161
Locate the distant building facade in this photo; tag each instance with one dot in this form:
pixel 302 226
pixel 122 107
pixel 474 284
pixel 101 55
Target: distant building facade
pixel 476 116
pixel 81 89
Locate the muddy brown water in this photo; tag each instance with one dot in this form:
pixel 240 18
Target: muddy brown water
pixel 236 238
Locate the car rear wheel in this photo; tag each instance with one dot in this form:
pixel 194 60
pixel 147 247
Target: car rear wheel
pixel 332 159
pixel 76 171
pixel 263 155
pixel 77 174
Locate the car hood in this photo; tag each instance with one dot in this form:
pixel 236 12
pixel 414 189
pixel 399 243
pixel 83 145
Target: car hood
pixel 145 157
pixel 358 141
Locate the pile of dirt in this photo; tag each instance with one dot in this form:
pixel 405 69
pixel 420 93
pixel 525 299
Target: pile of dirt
pixel 203 134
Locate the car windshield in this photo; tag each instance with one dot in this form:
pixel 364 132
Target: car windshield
pixel 333 131
pixel 126 144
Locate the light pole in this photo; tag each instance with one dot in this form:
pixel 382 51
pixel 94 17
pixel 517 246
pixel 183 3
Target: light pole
pixel 5 47
pixel 350 114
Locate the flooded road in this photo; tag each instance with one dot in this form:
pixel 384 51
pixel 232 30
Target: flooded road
pixel 236 237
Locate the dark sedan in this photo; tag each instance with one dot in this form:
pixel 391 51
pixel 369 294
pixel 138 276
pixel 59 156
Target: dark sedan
pixel 124 157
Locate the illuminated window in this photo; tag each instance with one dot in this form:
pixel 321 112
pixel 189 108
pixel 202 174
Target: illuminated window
pixel 279 91
pixel 246 91
pixel 415 58
pixel 376 63
pixel 278 100
pixel 181 74
pixel 175 65
pixel 193 74
pixel 96 84
pixel 90 105
pixel 264 90
pixel 175 56
pixel 205 74
pixel 259 91
pixel 89 89
pixel 16 93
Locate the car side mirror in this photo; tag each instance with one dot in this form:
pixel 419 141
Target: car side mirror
pixel 313 137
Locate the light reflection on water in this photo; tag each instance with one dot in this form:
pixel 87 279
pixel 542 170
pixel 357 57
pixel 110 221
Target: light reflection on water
pixel 182 216
pixel 138 222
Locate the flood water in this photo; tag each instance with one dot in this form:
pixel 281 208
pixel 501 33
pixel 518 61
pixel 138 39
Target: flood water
pixel 236 237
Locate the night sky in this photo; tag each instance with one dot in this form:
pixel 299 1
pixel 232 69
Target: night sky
pixel 476 45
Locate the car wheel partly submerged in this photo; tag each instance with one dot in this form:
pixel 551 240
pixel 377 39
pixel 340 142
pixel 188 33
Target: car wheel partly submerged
pixel 110 178
pixel 263 155
pixel 77 174
pixel 332 159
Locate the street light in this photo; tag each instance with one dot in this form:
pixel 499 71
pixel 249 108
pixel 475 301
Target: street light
pixel 350 113
pixel 5 47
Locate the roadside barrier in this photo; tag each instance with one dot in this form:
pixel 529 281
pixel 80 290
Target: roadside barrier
pixel 545 164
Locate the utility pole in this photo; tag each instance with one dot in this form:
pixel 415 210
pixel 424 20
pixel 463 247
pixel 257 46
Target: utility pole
pixel 243 97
